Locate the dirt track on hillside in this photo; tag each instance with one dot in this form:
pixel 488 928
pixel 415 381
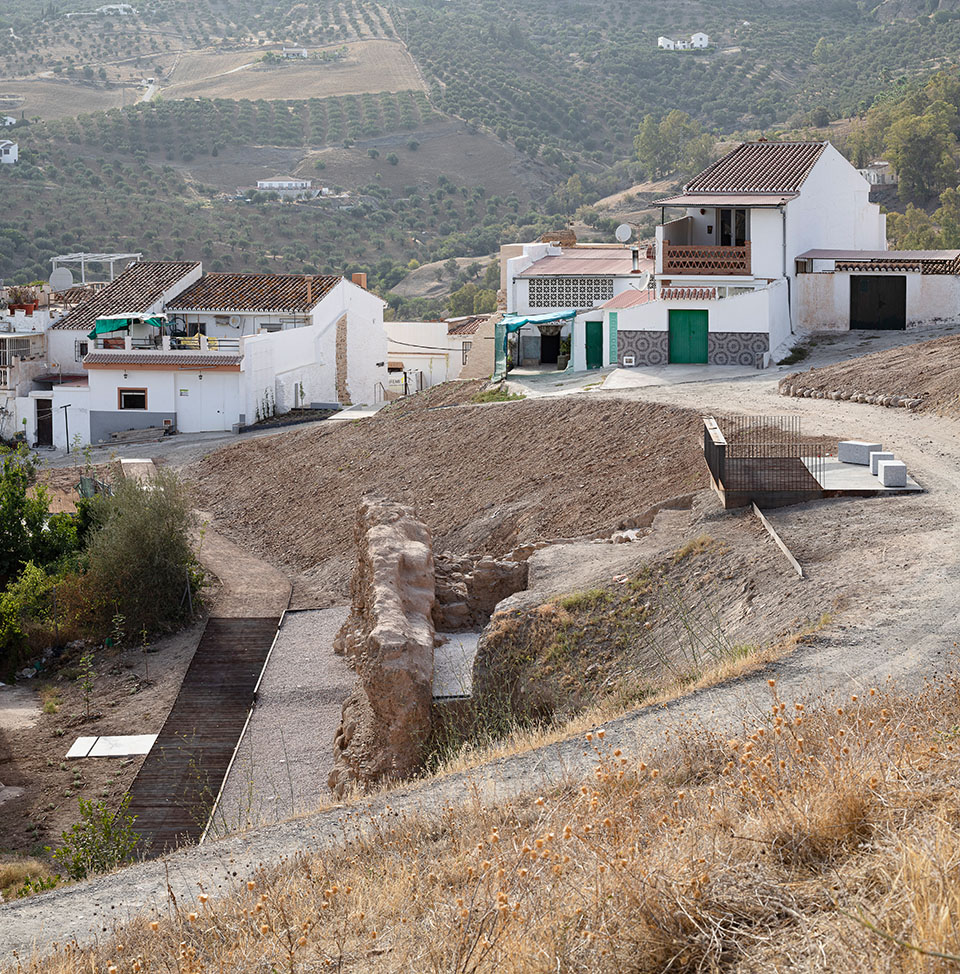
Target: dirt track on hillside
pixel 485 478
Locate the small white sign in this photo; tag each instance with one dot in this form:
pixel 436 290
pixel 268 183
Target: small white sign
pixel 184 392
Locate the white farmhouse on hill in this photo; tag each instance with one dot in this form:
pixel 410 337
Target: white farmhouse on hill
pixel 164 346
pixel 697 41
pixel 7 120
pixel 9 152
pixel 666 43
pixel 700 40
pixel 284 183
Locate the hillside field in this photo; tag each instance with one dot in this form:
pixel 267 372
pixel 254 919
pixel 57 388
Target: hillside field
pixel 370 66
pixel 49 99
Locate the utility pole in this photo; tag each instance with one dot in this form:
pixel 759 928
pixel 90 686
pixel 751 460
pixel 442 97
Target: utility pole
pixel 66 424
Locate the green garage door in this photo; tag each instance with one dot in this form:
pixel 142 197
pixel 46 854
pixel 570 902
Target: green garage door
pixel 688 337
pixel 594 344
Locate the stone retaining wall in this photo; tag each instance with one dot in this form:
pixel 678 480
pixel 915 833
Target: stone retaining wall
pixel 792 385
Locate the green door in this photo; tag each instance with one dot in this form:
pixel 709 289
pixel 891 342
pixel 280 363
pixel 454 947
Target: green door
pixel 688 337
pixel 594 344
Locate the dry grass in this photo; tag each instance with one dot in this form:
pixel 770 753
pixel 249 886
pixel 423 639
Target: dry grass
pixel 824 840
pixel 61 99
pixel 370 66
pixel 15 872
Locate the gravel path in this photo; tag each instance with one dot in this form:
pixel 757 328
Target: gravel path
pixel 906 630
pixel 286 754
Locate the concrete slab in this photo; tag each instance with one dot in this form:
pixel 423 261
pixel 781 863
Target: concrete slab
pixel 453 665
pixel 81 747
pixel 122 746
pixel 360 411
pixel 138 469
pixel 855 478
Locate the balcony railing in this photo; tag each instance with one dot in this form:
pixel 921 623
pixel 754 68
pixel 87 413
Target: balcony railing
pixel 722 261
pixel 174 344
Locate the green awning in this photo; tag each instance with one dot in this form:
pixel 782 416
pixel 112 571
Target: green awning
pixel 515 322
pixel 104 326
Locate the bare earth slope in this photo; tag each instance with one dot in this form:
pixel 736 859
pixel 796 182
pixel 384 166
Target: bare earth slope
pixel 929 371
pixel 484 477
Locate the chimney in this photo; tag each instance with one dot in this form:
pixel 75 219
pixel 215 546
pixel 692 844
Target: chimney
pixel 309 290
pixel 636 261
pixel 360 280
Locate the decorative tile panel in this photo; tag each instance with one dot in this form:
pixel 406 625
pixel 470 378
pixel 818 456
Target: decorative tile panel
pixel 647 347
pixel 736 347
pixel 569 292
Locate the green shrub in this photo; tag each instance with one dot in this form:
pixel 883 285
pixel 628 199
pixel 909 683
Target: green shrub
pixel 99 842
pixel 139 554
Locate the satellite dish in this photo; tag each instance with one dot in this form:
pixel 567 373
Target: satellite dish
pixel 61 279
pixel 624 232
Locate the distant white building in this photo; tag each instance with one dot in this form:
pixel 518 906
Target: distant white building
pixel 7 120
pixel 9 152
pixel 697 41
pixel 295 52
pixel 284 182
pixel 879 174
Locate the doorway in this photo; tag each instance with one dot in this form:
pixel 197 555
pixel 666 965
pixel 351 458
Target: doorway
pixel 44 422
pixel 549 349
pixel 688 337
pixel 594 344
pixel 878 303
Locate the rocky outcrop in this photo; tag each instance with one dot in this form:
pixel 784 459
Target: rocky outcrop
pixel 469 587
pixel 389 640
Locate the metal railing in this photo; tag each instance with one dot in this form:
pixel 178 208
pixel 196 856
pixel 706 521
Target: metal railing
pixel 766 454
pixel 706 260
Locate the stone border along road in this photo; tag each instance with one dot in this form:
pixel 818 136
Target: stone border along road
pixel 908 638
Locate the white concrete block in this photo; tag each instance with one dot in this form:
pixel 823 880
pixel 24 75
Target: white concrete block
pixel 876 457
pixel 892 473
pixel 856 451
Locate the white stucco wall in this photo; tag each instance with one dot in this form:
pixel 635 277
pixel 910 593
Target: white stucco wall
pixel 426 347
pixel 823 300
pixel 763 310
pixel 366 343
pixel 77 423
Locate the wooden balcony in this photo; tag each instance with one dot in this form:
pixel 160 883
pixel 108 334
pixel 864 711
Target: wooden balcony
pixel 721 261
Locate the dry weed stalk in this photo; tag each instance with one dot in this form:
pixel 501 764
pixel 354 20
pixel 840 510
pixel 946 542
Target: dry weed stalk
pixel 750 853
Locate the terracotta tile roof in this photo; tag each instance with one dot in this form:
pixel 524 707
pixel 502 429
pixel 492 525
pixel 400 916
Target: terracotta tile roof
pixel 629 299
pixel 898 255
pixel 146 357
pixel 136 289
pixel 688 294
pixel 465 326
pixel 74 295
pixel 254 292
pixel 760 167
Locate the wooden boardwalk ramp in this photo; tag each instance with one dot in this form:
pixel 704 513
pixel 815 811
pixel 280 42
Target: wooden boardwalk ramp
pixel 178 783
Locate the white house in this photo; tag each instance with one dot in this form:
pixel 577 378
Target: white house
pixel 726 271
pixel 164 346
pixel 666 43
pixel 879 173
pixel 295 52
pixel 554 295
pixel 284 183
pixel 700 40
pixel 7 120
pixel 9 151
pixel 421 354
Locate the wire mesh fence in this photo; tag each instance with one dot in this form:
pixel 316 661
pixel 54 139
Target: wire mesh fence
pixel 763 454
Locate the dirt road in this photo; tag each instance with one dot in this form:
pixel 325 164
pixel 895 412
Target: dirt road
pixel 905 628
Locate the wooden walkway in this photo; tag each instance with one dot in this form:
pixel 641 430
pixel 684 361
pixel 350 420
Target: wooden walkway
pixel 178 783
